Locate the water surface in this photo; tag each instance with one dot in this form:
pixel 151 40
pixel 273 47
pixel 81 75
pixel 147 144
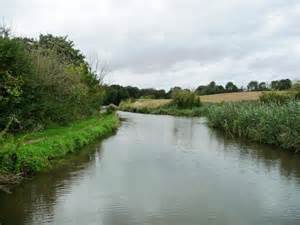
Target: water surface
pixel 163 170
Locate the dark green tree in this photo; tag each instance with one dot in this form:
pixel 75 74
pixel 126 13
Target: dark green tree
pixel 231 87
pixel 284 84
pixel 15 68
pixel 262 86
pixel 252 86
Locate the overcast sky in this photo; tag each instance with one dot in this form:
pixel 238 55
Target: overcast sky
pixel 163 43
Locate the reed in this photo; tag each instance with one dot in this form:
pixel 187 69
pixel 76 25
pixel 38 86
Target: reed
pixel 272 123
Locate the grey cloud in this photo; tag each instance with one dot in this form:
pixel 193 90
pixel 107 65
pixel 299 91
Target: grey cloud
pixel 161 43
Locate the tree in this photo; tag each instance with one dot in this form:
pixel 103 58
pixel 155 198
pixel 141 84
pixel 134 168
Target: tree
pixel 211 88
pixel 185 99
pixel 15 67
pixel 252 86
pixel 201 89
pixel 133 92
pixel 45 81
pixel 5 31
pixel 172 90
pixel 231 87
pixel 284 84
pixel 274 84
pixel 262 86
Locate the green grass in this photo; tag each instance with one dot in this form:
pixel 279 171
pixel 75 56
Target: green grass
pixel 274 124
pixel 34 152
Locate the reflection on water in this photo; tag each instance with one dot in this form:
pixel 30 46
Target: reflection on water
pixel 163 170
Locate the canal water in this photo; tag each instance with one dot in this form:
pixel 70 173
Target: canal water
pixel 162 170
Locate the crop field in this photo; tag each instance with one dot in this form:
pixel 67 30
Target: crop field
pixel 216 98
pixel 149 103
pixel 232 97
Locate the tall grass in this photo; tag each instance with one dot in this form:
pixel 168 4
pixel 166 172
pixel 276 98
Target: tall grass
pixel 272 123
pixel 34 152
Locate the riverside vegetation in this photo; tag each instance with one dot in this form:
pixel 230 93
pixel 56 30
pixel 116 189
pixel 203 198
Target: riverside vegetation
pixel 273 119
pixel 29 153
pixel 50 98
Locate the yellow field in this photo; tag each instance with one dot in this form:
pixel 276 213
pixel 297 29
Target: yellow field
pixel 216 98
pixel 226 97
pixel 232 97
pixel 149 103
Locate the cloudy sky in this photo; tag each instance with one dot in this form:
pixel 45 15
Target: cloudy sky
pixel 163 43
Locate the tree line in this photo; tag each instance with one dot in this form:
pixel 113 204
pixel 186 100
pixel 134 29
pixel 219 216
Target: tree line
pixel 116 93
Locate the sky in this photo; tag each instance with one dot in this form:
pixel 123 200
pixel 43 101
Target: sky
pixel 166 43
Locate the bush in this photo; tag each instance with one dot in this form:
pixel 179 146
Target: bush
pixel 185 99
pixel 41 85
pixel 15 67
pixel 275 97
pixel 297 95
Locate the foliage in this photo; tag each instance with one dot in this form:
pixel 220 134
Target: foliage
pixel 297 95
pixel 116 93
pixel 296 86
pixel 262 86
pixel 274 97
pixel 168 109
pixel 45 81
pixel 15 66
pixel 62 46
pixel 34 152
pixel 185 99
pixel 265 123
pixel 252 86
pixel 231 87
pixel 211 88
pixel 283 84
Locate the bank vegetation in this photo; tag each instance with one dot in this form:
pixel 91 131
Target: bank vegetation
pixel 50 98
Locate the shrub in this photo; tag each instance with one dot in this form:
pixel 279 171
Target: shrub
pixel 15 66
pixel 274 97
pixel 297 95
pixel 40 85
pixel 185 99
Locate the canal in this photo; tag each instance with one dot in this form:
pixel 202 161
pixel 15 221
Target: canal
pixel 162 170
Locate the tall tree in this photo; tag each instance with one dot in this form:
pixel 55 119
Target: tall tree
pixel 231 87
pixel 262 86
pixel 252 86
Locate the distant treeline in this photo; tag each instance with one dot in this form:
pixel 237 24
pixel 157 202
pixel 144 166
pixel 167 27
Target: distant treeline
pixel 116 93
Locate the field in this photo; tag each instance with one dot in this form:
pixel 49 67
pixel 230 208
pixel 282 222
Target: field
pixel 232 97
pixel 149 103
pixel 216 98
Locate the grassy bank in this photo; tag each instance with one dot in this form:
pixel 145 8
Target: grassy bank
pixel 166 110
pixel 264 123
pixel 30 153
pixel 161 107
